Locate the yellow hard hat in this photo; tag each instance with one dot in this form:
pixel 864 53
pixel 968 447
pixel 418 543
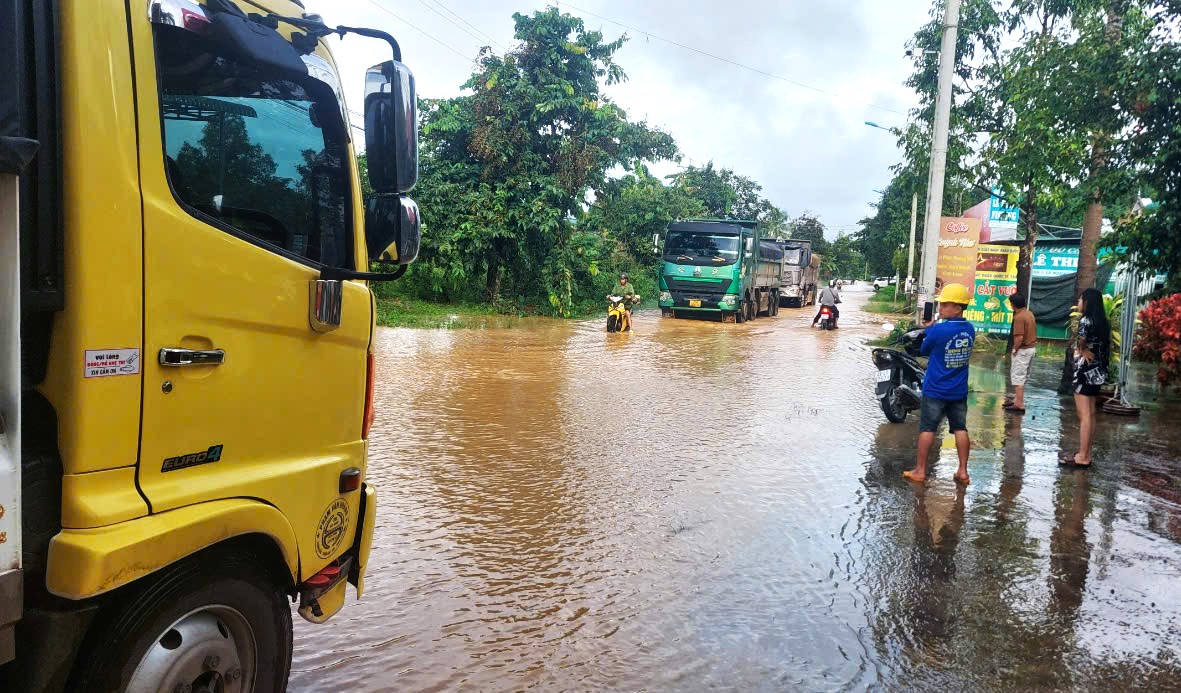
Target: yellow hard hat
pixel 955 293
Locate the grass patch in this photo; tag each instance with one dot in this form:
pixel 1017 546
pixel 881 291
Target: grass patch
pixel 887 308
pixel 884 301
pixel 406 312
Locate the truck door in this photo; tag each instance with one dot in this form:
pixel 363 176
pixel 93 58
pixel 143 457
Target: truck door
pixel 247 192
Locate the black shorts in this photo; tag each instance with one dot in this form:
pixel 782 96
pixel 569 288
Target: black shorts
pixel 932 412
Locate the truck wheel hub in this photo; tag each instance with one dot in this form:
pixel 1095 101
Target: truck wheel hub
pixel 208 650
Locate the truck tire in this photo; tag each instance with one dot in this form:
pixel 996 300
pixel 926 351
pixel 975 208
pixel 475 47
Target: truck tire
pixel 205 622
pixel 774 304
pixel 740 314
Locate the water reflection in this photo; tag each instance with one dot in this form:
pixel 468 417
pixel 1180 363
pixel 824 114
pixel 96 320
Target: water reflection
pixel 699 506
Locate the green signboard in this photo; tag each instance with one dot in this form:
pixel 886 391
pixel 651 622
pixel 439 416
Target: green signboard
pixel 996 281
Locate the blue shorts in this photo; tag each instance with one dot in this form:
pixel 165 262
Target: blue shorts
pixel 933 411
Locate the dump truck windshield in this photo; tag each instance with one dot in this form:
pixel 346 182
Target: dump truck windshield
pixel 701 249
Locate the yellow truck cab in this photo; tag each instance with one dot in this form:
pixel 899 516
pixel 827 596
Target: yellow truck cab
pixel 186 335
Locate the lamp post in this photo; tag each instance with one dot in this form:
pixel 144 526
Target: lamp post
pixel 914 214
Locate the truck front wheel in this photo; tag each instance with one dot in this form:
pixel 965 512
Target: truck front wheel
pixel 221 624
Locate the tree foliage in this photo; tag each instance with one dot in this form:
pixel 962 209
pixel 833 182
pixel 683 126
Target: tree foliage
pixel 506 169
pixel 1068 106
pixel 533 183
pixel 808 227
pixel 1153 151
pixel 728 195
pixel 889 227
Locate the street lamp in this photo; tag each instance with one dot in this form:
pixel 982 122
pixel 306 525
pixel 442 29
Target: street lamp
pixel 914 214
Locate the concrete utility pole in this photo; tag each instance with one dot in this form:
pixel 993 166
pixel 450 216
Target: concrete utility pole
pixel 914 217
pixel 947 57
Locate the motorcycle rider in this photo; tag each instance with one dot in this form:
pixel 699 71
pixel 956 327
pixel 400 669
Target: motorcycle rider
pixel 629 295
pixel 830 297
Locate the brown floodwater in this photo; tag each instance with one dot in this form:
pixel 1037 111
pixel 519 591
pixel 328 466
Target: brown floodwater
pixel 701 506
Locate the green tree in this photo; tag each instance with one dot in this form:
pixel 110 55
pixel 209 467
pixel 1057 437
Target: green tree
pixel 1154 148
pixel 881 234
pixel 635 208
pixel 727 195
pixel 808 227
pixel 844 259
pixel 506 170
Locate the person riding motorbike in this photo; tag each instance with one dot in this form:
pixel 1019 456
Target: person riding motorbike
pixel 629 294
pixel 830 297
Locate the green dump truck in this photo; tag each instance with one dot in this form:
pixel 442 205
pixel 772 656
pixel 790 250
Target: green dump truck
pixel 721 267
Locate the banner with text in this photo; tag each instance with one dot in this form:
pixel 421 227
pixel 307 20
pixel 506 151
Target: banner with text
pixel 958 240
pixel 996 281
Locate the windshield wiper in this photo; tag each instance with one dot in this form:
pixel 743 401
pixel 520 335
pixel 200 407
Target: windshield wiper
pixel 685 257
pixel 719 259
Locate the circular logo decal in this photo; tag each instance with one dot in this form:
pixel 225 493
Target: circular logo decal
pixel 333 526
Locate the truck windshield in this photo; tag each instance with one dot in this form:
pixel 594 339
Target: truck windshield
pixel 793 256
pixel 685 248
pixel 264 154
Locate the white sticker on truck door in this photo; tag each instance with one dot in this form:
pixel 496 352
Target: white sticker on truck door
pixel 105 363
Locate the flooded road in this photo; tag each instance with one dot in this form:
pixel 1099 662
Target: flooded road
pixel 702 506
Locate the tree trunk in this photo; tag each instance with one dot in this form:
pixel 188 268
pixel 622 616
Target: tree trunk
pixel 1088 258
pixel 1025 261
pixel 492 281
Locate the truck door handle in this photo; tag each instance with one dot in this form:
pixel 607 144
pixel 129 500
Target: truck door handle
pixel 191 357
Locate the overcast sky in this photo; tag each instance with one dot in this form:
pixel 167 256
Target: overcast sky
pixel 810 150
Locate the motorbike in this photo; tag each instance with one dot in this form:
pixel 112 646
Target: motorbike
pixel 617 320
pixel 900 376
pixel 827 319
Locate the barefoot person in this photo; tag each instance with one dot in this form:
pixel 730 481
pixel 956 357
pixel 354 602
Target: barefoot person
pixel 1024 349
pixel 948 345
pixel 1092 350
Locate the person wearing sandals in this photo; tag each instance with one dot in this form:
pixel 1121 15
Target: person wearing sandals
pixel 1024 349
pixel 1092 350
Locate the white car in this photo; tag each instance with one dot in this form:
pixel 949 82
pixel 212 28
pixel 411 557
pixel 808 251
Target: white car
pixel 883 282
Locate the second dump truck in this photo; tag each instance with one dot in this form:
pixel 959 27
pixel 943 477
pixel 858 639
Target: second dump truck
pixel 722 267
pixel 801 268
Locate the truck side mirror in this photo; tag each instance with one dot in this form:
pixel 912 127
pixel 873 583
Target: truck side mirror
pixel 750 243
pixel 391 127
pixel 393 229
pixel 655 243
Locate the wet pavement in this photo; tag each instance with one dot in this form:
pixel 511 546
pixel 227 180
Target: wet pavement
pixel 701 506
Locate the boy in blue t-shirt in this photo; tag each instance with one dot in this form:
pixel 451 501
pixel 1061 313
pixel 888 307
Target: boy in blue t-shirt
pixel 945 387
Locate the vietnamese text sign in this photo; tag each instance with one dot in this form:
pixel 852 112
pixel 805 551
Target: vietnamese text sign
pixel 996 281
pixel 958 240
pixel 1055 259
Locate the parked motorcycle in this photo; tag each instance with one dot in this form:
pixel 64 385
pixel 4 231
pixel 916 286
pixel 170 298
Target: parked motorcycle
pixel 617 320
pixel 828 321
pixel 900 376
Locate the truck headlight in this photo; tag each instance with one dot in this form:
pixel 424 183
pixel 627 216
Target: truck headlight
pixel 665 296
pixel 729 298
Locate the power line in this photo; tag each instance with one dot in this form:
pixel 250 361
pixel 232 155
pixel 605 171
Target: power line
pixel 736 63
pixel 479 40
pixel 448 47
pixel 460 18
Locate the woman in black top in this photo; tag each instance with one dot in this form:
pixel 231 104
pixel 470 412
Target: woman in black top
pixel 1092 351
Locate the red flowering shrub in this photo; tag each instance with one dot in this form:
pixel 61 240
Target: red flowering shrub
pixel 1160 338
